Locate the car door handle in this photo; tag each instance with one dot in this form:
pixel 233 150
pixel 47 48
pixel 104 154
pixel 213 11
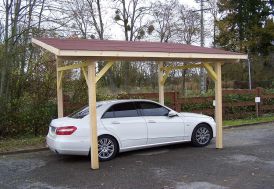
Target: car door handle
pixel 151 121
pixel 115 122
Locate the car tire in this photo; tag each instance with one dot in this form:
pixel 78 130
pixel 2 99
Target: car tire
pixel 107 147
pixel 202 135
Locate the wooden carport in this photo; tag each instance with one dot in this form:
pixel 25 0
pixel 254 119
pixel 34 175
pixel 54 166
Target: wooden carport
pixel 89 51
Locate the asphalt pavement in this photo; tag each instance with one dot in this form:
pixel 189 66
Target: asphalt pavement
pixel 247 161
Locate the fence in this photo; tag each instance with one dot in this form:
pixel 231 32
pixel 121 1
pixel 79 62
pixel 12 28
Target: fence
pixel 236 103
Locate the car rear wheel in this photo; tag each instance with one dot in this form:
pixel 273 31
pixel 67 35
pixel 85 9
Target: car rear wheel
pixel 107 147
pixel 201 135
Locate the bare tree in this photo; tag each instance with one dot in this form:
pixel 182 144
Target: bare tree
pixel 188 26
pixel 213 10
pixel 20 22
pixel 84 18
pixel 164 19
pixel 130 16
pixel 95 10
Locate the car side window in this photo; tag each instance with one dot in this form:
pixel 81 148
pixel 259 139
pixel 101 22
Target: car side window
pixel 109 113
pixel 127 109
pixel 152 109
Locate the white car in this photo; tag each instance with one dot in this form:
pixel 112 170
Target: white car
pixel 125 125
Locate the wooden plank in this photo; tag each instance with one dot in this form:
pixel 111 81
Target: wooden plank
pixel 84 70
pixel 164 55
pixel 165 76
pixel 184 67
pixel 195 100
pixel 160 84
pixel 239 104
pixel 93 115
pixel 267 107
pixel 218 107
pixel 210 71
pixel 46 46
pixel 267 96
pixel 239 91
pixel 73 66
pixel 60 105
pixel 59 79
pixel 104 70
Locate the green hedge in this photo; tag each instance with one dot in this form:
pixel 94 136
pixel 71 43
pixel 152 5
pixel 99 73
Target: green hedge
pixel 25 117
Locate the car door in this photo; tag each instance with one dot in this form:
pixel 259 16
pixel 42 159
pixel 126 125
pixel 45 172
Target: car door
pixel 124 121
pixel 161 128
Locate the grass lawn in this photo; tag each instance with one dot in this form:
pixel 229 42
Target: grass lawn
pixel 22 143
pixel 239 122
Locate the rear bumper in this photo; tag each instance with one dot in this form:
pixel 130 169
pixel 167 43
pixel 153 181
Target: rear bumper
pixel 61 145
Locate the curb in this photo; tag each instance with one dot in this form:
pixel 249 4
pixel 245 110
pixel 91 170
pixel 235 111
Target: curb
pixel 24 151
pixel 247 124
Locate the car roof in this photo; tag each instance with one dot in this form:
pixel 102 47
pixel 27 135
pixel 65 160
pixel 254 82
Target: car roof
pixel 123 100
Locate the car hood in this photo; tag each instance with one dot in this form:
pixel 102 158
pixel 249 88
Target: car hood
pixel 187 114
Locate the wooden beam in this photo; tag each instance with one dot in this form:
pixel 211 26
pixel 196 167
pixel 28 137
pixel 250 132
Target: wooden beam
pixel 160 84
pixel 46 46
pixel 151 59
pixel 93 115
pixel 184 67
pixel 73 66
pixel 165 76
pixel 103 71
pixel 210 71
pixel 125 54
pixel 84 70
pixel 59 79
pixel 60 103
pixel 218 107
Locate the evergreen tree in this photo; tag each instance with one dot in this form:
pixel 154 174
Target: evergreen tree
pixel 247 26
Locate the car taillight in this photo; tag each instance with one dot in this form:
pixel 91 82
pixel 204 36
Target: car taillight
pixel 68 130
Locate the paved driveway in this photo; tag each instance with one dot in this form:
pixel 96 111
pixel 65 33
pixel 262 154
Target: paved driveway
pixel 247 161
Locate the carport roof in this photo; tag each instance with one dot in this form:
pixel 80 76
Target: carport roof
pixel 134 50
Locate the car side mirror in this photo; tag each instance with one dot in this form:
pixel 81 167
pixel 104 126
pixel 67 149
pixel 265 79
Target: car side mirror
pixel 172 113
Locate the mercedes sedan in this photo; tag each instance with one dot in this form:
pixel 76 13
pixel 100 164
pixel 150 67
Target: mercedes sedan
pixel 125 125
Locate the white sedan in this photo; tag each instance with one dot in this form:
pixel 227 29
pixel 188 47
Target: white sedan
pixel 125 125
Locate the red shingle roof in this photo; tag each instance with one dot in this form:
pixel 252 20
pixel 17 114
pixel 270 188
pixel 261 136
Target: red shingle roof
pixel 129 46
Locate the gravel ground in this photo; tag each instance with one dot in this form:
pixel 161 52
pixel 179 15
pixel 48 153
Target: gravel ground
pixel 247 161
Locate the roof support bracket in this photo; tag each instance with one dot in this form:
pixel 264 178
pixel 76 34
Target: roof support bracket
pixel 210 71
pixel 73 66
pixel 85 72
pixel 104 70
pixel 59 79
pixel 170 68
pixel 165 76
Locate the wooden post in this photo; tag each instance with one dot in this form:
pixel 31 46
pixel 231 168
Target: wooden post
pixel 60 103
pixel 160 85
pixel 218 106
pixel 259 92
pixel 93 117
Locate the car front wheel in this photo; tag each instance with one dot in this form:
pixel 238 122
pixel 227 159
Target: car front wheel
pixel 201 135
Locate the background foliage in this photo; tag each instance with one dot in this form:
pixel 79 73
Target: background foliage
pixel 28 74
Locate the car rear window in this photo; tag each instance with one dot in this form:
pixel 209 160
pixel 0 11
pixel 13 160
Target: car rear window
pixel 82 112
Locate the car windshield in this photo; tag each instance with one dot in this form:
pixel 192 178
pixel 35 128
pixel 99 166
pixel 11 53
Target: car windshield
pixel 82 112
